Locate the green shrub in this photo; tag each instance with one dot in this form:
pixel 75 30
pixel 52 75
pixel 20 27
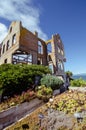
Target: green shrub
pixel 44 93
pixel 17 78
pixel 51 81
pixel 78 82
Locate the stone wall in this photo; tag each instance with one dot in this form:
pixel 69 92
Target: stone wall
pixel 15 113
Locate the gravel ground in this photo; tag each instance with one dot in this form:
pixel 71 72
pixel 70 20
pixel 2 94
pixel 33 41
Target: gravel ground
pixel 57 119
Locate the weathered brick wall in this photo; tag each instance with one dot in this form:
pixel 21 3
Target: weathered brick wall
pixel 44 55
pixel 29 43
pixel 28 40
pixel 55 55
pixel 58 43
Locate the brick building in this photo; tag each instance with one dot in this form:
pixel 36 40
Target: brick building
pixel 22 46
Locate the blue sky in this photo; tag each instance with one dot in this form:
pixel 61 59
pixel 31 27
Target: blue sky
pixel 66 17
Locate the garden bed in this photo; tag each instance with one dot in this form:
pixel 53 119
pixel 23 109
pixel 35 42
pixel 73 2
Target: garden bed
pixel 57 115
pixel 17 99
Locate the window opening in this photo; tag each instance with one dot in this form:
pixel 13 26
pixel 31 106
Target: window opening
pixel 22 58
pixel 39 62
pixel 51 67
pixel 5 61
pixel 49 48
pixel 60 65
pixel 7 45
pixel 14 39
pixel 3 49
pixel 49 58
pixel 59 50
pixel 40 48
pixel 10 29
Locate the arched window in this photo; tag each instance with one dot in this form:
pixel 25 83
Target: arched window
pixel 60 65
pixel 62 52
pixel 3 48
pixel 10 29
pixel 51 67
pixel 59 50
pixel 39 62
pixel 40 48
pixel 49 48
pixel 14 39
pixel 7 47
pixel 5 61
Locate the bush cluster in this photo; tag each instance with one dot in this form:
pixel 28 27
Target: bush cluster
pixel 78 82
pixel 44 93
pixel 51 81
pixel 17 78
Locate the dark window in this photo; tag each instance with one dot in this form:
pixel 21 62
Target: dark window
pixel 49 58
pixel 5 61
pixel 7 47
pixel 39 62
pixel 3 49
pixel 10 29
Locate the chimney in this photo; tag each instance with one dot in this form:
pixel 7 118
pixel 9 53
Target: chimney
pixel 36 33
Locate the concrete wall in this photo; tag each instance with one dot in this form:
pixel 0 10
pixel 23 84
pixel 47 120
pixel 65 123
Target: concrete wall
pixel 14 114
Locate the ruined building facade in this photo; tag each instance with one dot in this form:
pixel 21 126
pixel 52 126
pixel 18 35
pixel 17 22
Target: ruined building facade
pixel 21 46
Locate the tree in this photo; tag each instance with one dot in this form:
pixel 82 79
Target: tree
pixel 68 78
pixel 69 74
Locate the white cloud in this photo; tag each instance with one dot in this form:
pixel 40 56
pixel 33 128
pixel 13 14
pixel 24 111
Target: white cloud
pixel 23 10
pixel 3 31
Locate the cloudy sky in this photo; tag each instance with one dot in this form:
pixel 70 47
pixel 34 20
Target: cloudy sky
pixel 66 17
pixel 23 10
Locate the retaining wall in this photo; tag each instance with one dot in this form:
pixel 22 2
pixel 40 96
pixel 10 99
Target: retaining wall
pixel 82 89
pixel 17 112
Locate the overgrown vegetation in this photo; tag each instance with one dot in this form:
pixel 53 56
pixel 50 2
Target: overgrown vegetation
pixel 51 81
pixel 17 78
pixel 70 102
pixel 69 73
pixel 78 82
pixel 44 93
